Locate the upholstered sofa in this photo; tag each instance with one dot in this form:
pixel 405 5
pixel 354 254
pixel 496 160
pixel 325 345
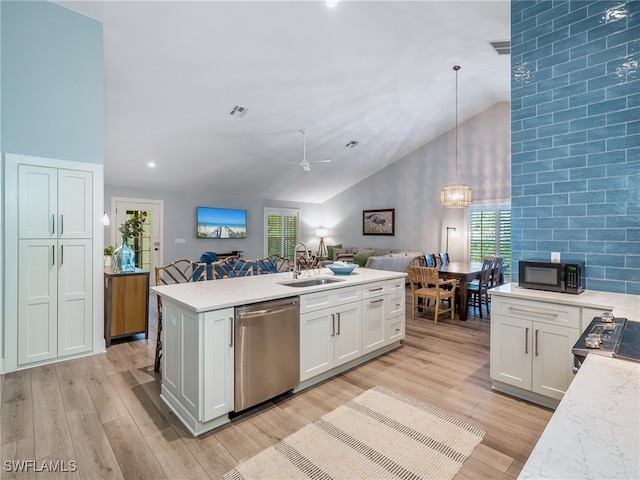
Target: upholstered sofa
pixel 370 257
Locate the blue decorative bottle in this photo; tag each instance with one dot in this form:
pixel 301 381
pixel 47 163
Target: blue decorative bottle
pixel 124 259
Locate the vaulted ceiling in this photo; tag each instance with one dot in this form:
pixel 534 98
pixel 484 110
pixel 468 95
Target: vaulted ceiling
pixel 377 73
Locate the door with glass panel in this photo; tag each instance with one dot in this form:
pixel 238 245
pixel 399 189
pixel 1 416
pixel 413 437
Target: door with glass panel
pixel 147 247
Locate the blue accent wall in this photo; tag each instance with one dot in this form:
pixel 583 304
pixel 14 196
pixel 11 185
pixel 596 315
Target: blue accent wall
pixel 575 137
pixel 52 82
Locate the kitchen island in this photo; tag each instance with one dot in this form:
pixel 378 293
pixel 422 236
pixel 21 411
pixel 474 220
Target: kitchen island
pixel 533 332
pixel 342 324
pixel 595 431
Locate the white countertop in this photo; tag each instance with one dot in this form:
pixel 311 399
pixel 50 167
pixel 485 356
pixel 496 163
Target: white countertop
pixel 622 305
pixel 595 431
pixel 230 292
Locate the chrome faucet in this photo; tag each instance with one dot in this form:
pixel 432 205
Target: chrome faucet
pixel 296 272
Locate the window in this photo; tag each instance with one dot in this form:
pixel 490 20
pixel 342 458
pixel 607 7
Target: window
pixel 282 227
pixel 490 232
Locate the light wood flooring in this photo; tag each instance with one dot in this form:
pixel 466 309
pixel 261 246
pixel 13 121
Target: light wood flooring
pixel 104 412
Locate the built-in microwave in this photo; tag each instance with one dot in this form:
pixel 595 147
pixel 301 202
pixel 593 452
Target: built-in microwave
pixel 551 276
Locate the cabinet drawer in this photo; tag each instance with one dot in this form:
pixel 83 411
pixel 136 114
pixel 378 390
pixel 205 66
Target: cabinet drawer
pixel 347 295
pixel 329 298
pixel 545 312
pixel 395 329
pixel 396 285
pixel 374 289
pixel 395 305
pixel 315 301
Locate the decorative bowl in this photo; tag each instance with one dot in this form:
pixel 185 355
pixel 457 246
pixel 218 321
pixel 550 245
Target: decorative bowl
pixel 342 269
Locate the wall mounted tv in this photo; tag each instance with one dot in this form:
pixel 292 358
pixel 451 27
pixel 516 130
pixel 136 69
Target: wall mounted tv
pixel 221 223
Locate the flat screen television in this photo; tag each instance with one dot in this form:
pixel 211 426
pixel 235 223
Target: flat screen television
pixel 221 223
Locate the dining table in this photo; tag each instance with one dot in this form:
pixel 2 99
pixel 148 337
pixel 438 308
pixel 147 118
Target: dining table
pixel 464 272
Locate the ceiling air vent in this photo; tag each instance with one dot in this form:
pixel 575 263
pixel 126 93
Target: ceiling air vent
pixel 351 144
pixel 502 47
pixel 238 111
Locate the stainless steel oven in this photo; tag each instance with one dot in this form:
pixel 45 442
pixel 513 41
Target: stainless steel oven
pixel 619 338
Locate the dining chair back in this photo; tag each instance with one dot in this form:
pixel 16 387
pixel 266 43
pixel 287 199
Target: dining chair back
pixel 430 260
pixel 497 277
pixel 444 258
pixel 178 271
pixel 425 286
pixel 478 292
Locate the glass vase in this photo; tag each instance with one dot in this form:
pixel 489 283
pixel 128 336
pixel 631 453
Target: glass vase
pixel 124 259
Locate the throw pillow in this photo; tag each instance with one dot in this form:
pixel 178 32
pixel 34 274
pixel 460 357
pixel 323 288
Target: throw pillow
pixel 338 251
pixel 330 250
pixel 360 258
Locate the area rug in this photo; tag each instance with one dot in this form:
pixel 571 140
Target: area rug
pixel 379 434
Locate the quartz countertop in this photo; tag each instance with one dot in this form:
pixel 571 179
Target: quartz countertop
pixel 622 305
pixel 595 431
pixel 230 292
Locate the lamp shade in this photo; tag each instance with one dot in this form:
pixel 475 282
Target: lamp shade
pixel 456 196
pixel 105 219
pixel 321 232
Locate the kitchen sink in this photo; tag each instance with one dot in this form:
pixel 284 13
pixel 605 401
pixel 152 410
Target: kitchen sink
pixel 310 282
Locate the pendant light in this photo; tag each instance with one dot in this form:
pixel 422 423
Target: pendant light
pixel 457 195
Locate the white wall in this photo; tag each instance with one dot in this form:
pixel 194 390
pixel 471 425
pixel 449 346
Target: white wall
pixel 412 186
pixel 180 221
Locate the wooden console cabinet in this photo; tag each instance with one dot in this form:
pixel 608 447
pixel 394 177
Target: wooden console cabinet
pixel 126 304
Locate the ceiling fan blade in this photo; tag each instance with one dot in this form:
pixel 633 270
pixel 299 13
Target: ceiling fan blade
pixel 321 161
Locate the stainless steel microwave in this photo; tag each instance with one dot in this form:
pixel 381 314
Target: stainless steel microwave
pixel 551 276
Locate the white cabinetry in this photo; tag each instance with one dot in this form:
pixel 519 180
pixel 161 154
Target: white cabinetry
pixel 330 329
pixel 55 298
pixel 396 300
pixel 198 365
pixel 531 345
pixel 374 306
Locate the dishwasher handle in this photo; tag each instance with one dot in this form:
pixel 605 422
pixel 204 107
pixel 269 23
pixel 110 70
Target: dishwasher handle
pixel 243 312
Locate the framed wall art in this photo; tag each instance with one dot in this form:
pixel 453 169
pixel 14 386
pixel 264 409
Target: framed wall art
pixel 378 222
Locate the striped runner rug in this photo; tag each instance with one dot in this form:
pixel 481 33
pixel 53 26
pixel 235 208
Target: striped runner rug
pixel 379 434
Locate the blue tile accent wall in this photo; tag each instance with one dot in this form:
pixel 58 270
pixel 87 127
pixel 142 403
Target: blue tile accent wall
pixel 575 119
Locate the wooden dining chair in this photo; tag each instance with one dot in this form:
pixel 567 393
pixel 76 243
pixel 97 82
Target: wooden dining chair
pixel 272 264
pixel 478 291
pixel 179 271
pixel 426 285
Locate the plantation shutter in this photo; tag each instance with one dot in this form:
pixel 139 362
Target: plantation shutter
pixel 490 234
pixel 282 228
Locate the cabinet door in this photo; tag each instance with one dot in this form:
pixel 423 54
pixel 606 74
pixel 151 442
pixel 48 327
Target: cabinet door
pixel 218 363
pixel 395 304
pixel 373 323
pixel 347 333
pixel 316 342
pixel 37 301
pixel 37 202
pixel 395 329
pixel 552 359
pixel 75 297
pixel 511 350
pixel 75 193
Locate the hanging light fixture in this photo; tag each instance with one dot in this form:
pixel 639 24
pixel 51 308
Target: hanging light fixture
pixel 457 195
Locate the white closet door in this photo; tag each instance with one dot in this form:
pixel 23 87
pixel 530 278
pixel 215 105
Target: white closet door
pixel 37 202
pixel 75 204
pixel 37 286
pixel 74 296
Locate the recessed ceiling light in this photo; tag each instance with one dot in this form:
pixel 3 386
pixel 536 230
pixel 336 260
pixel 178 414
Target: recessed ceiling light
pixel 238 111
pixel 151 164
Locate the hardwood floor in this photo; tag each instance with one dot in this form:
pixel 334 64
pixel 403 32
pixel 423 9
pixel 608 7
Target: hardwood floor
pixel 104 412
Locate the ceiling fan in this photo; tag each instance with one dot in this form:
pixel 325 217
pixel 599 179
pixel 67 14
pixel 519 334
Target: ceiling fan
pixel 306 164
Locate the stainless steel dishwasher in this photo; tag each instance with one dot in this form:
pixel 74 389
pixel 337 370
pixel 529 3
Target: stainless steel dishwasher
pixel 267 350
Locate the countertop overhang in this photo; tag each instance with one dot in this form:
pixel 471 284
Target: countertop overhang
pixel 622 305
pixel 229 292
pixel 595 431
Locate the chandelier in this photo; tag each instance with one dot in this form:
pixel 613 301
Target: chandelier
pixel 457 195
